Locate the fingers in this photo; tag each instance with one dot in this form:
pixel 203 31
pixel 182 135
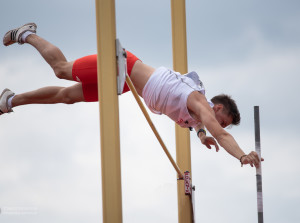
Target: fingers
pixel 208 146
pixel 208 141
pixel 248 160
pixel 213 142
pixel 217 147
pixel 252 159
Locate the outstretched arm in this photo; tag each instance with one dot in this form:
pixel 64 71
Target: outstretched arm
pixel 198 105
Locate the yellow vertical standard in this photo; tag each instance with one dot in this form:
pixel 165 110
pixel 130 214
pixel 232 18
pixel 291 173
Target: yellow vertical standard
pixel 183 154
pixel 109 112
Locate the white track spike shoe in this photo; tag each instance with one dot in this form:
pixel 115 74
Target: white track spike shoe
pixel 14 35
pixel 6 94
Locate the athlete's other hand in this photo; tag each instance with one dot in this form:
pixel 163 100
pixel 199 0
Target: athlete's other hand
pixel 209 141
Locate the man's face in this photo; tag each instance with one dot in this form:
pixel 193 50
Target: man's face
pixel 221 116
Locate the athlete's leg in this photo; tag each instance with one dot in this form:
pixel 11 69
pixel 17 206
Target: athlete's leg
pixel 53 56
pixel 51 53
pixel 50 95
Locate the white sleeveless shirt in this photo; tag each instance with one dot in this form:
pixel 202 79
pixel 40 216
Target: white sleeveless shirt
pixel 166 92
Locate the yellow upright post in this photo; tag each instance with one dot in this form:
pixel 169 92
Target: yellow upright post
pixel 183 154
pixel 109 112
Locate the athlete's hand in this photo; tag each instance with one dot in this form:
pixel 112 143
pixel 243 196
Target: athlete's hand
pixel 252 159
pixel 209 141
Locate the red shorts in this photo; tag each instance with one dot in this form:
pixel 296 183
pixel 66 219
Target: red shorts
pixel 85 71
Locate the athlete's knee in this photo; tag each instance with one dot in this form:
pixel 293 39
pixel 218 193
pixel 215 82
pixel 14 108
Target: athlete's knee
pixel 63 70
pixel 66 96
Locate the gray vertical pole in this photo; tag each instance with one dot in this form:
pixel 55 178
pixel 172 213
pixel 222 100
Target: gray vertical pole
pixel 258 170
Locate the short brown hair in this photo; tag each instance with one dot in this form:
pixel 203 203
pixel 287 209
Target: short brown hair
pixel 230 106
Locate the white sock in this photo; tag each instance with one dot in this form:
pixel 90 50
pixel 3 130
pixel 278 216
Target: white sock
pixel 9 102
pixel 24 35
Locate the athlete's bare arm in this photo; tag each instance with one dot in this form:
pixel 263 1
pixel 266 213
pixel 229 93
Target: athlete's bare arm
pixel 201 110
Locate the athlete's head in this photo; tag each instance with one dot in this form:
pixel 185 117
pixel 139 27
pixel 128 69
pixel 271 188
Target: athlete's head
pixel 226 110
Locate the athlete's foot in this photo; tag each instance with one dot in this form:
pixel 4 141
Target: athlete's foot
pixel 15 35
pixel 4 105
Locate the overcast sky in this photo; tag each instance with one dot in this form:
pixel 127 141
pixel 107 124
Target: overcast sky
pixel 50 154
